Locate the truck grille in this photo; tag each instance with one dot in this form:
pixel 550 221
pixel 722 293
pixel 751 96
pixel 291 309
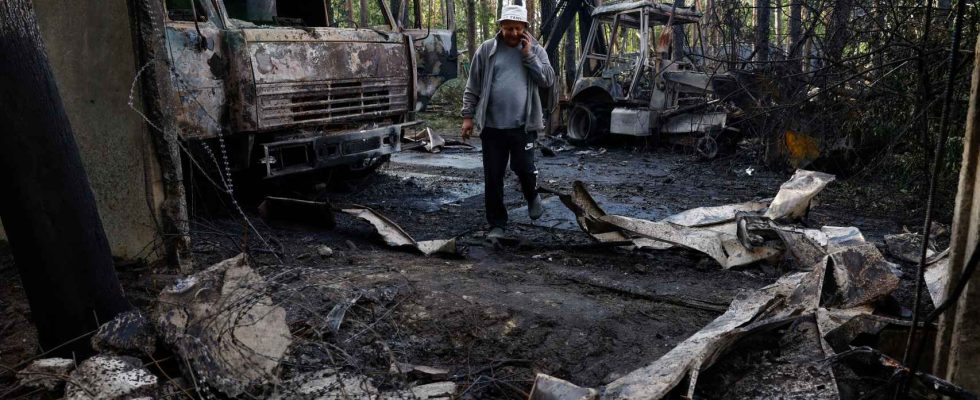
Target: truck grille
pixel 330 102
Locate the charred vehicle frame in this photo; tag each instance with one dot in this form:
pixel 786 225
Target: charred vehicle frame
pixel 291 86
pixel 627 82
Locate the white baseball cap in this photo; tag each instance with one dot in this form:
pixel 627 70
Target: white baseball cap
pixel 513 13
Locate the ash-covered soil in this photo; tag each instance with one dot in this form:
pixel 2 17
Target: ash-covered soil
pixel 493 317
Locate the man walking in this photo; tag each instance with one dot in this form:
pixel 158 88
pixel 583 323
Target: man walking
pixel 501 103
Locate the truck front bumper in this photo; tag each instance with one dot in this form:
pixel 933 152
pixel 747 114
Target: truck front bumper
pixel 356 149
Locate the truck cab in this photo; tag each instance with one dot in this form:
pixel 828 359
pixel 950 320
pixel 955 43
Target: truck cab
pixel 283 87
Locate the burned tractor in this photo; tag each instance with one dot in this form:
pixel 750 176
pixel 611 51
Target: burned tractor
pixel 285 87
pixel 627 82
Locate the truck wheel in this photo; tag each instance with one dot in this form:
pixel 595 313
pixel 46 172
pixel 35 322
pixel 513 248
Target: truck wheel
pixel 587 124
pixel 707 147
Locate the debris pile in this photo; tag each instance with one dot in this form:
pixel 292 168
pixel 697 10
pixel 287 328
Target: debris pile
pixel 431 142
pixel 130 333
pixel 390 232
pixel 222 322
pixel 710 230
pixel 110 378
pixel 46 373
pixel 220 330
pixel 807 317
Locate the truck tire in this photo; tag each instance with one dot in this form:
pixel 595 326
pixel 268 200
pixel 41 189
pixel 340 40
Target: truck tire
pixel 587 124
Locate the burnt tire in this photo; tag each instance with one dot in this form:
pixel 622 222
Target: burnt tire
pixel 706 147
pixel 587 124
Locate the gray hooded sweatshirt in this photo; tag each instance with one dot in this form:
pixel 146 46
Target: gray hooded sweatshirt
pixel 477 93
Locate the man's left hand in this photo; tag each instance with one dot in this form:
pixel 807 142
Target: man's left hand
pixel 526 44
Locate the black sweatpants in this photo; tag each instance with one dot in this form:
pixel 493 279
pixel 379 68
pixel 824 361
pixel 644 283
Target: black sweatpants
pixel 499 145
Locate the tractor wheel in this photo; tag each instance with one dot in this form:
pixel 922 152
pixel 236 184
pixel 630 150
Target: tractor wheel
pixel 587 124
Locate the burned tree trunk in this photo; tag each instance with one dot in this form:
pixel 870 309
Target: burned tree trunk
pixel 679 40
pixel 584 24
pixel 547 18
pixel 570 60
pixel 47 208
pixel 762 10
pixel 837 32
pixel 796 32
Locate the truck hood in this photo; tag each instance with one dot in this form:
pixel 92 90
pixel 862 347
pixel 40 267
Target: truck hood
pixel 325 76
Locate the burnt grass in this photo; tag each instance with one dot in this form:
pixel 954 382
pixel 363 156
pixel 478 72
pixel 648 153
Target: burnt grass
pixel 493 316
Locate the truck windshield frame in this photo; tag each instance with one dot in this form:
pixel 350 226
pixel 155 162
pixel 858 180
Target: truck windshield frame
pixel 342 14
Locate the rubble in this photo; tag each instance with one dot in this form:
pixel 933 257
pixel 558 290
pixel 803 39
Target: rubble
pixel 336 315
pixel 419 371
pixel 821 309
pixel 863 322
pixel 861 276
pixel 841 237
pixel 128 333
pixel 794 296
pixel 431 141
pixel 222 322
pixel 781 362
pixel 550 146
pixel 697 352
pixel 110 378
pixel 395 236
pixel 907 247
pixel 438 390
pixel 551 388
pixel 794 196
pixel 721 231
pixel 884 368
pixel 46 373
pixel 435 142
pixel 327 384
pixel 324 251
pixel 723 247
pixel 705 216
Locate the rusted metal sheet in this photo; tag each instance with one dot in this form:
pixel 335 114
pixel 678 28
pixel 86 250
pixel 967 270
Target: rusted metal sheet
pixel 551 388
pixel 435 54
pixel 198 74
pixel 861 276
pixel 793 199
pixel 299 78
pixel 395 236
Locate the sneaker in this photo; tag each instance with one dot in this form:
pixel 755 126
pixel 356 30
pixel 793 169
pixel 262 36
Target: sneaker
pixel 495 233
pixel 535 209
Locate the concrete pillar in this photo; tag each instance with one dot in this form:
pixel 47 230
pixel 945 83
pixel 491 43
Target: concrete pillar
pixel 958 342
pixel 90 46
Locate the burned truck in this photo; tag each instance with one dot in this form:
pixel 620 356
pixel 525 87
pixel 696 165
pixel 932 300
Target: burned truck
pixel 285 87
pixel 627 82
